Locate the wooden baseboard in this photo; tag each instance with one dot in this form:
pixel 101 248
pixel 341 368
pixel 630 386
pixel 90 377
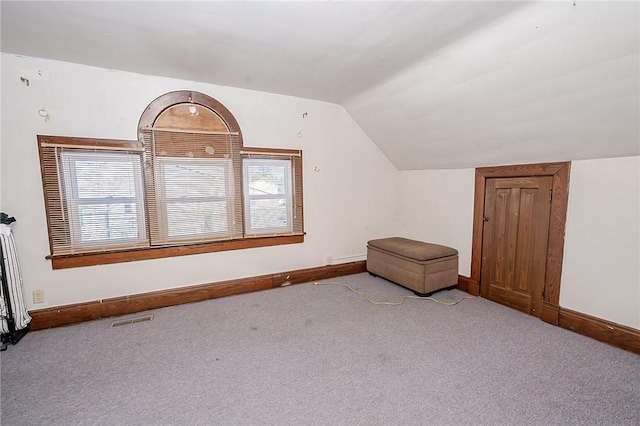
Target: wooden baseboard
pixel 618 335
pixel 71 314
pixel 468 285
pixel 549 313
pixel 606 331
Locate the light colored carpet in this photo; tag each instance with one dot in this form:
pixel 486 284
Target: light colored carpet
pixel 310 354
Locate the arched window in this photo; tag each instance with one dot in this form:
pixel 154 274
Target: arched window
pixel 193 168
pixel 188 185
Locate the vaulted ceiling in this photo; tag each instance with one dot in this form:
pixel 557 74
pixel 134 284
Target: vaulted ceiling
pixel 434 84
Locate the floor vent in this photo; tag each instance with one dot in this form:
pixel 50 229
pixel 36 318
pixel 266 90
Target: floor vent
pixel 131 320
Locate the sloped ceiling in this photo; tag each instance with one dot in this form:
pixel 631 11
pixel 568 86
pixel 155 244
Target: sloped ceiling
pixel 434 84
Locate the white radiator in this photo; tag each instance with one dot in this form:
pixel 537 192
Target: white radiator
pixel 14 280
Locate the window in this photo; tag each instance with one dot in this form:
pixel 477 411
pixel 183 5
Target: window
pixel 268 196
pixel 194 198
pixel 104 197
pixel 186 186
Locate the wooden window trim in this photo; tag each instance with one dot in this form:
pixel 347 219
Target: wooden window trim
pixel 155 108
pixel 147 253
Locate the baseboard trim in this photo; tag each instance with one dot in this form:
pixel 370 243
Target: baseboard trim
pixel 80 312
pixel 468 285
pixel 550 313
pixel 618 335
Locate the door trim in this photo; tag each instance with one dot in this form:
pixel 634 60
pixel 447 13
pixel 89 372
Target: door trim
pixel 557 221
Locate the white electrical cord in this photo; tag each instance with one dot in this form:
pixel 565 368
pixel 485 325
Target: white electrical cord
pixel 393 303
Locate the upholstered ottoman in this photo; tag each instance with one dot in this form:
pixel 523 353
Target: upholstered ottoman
pixel 421 267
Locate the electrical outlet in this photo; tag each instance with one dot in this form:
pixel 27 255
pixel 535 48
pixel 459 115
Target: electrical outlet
pixel 328 260
pixel 38 296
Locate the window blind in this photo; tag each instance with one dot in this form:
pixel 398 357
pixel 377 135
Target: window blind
pixel 267 196
pixel 180 183
pixel 193 186
pixel 93 196
pixel 272 192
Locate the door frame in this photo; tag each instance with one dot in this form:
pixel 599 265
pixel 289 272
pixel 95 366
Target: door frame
pixel 557 221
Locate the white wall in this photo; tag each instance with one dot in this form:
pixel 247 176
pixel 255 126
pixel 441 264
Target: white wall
pixel 352 192
pixel 437 206
pixel 601 268
pixel 350 188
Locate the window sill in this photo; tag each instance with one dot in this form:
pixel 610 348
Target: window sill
pixel 105 258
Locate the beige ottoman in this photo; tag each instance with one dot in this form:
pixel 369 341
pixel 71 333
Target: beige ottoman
pixel 421 267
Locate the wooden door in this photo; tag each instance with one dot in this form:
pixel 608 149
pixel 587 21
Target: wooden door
pixel 514 241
